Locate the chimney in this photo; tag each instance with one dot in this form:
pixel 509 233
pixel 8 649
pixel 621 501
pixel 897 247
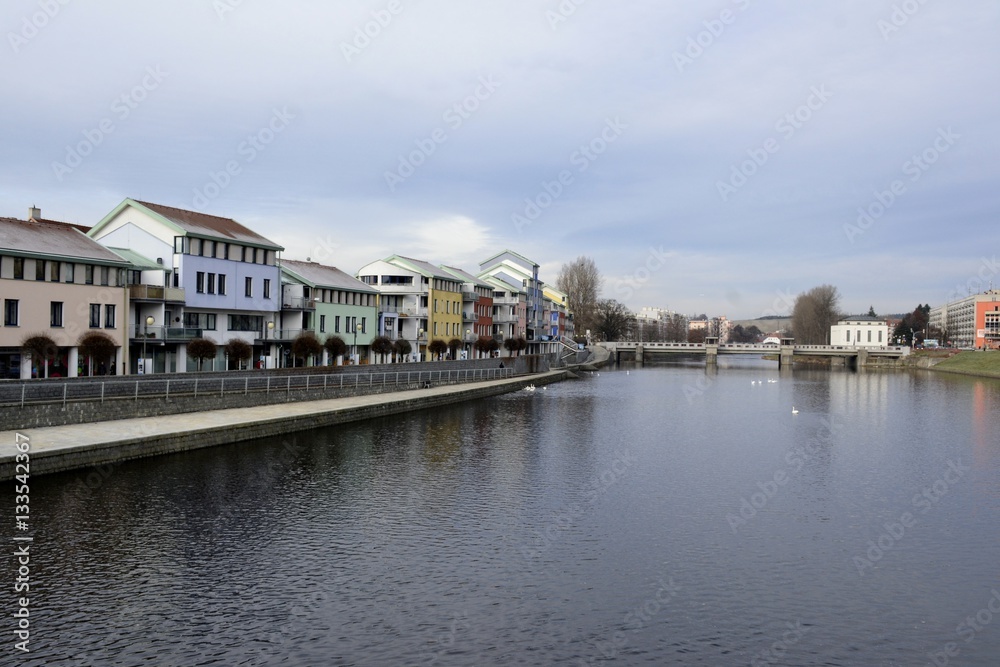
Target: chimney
pixel 34 213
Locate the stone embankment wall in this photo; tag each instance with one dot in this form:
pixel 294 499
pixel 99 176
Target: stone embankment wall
pixel 126 443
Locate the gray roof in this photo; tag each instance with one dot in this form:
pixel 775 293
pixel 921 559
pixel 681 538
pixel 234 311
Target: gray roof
pixel 198 224
pixel 320 275
pixel 420 266
pixel 138 261
pixel 466 277
pixel 53 239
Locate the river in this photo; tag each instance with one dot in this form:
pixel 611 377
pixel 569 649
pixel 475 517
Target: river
pixel 667 515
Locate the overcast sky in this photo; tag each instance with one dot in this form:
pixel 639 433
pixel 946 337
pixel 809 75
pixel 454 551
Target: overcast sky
pixel 709 156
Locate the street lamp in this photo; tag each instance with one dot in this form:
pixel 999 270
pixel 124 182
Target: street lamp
pixel 468 337
pixel 420 334
pixel 145 335
pixel 270 327
pixel 357 359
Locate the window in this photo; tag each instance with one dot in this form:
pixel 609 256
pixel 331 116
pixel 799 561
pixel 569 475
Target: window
pixel 199 321
pixel 54 270
pixel 95 315
pixel 39 269
pixel 880 336
pixel 322 323
pixel 19 268
pixel 56 313
pixel 105 275
pixel 225 253
pixel 88 274
pixel 869 335
pixel 267 288
pixel 211 283
pixel 248 289
pixel 10 312
pixel 222 282
pixel 364 325
pixel 70 273
pixel 336 324
pixel 109 316
pixel 246 323
pixel 199 283
pixel 848 335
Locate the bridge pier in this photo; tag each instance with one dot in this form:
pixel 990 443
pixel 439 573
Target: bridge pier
pixel 638 354
pixel 711 354
pixel 785 354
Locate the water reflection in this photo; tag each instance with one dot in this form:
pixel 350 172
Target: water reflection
pixel 586 522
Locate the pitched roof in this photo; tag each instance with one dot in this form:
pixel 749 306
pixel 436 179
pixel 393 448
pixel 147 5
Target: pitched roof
pixel 202 224
pixel 137 260
pixel 320 275
pixel 53 239
pixel 486 262
pixel 466 277
pixel 425 268
pixel 193 223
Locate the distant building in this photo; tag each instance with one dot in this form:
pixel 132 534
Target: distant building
pixel 860 331
pixel 973 321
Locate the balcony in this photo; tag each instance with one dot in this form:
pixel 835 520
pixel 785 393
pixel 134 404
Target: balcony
pixel 164 334
pixel 298 303
pixel 156 293
pixel 469 317
pixel 469 296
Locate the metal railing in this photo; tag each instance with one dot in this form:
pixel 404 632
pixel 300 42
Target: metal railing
pixel 54 393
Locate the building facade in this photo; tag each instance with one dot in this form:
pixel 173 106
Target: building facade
pixel 229 276
pixel 57 282
pixel 862 331
pixel 327 302
pixel 970 322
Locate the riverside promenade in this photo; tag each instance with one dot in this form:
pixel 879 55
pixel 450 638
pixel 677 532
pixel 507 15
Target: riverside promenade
pixel 58 448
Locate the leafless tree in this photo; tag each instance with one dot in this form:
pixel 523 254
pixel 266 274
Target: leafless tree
pixel 437 347
pixel 238 350
pixel 611 319
pixel 305 345
pixel 201 349
pixel 96 345
pixel 335 347
pixel 581 281
pixel 402 348
pixel 814 313
pixel 382 346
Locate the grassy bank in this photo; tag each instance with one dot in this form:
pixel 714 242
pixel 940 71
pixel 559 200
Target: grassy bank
pixel 986 364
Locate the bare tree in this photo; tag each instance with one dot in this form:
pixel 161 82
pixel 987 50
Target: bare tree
pixel 382 346
pixel 611 319
pixel 677 329
pixel 402 348
pixel 201 349
pixel 437 347
pixel 814 313
pixel 335 347
pixel 305 345
pixel 581 281
pixel 99 345
pixel 238 350
pixel 453 346
pixel 43 348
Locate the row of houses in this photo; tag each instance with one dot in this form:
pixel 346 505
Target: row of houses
pixel 153 278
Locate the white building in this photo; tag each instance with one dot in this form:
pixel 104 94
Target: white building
pixel 861 331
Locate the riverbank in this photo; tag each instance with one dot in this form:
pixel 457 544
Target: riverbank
pixel 976 363
pixel 74 446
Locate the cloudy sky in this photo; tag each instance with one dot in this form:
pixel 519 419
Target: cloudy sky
pixel 715 157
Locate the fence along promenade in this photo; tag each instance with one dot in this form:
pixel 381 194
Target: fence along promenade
pixel 26 393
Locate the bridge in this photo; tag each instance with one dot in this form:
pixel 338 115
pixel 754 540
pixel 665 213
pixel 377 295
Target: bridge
pixel 840 354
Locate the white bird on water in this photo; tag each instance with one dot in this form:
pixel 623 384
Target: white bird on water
pixel 794 411
pixel 530 387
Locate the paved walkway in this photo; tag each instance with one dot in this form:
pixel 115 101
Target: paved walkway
pixel 56 441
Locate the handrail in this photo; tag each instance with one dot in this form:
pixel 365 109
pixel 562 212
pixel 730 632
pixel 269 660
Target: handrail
pixel 170 387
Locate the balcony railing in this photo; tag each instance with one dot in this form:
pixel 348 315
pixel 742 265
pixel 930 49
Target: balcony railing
pixel 469 317
pixel 161 333
pixel 298 303
pixel 155 293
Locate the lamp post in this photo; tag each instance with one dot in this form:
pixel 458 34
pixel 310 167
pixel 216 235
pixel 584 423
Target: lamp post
pixel 420 334
pixel 145 335
pixel 357 356
pixel 270 327
pixel 468 337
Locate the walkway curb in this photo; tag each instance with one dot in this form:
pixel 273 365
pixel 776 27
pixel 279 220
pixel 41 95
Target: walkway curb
pixel 60 448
